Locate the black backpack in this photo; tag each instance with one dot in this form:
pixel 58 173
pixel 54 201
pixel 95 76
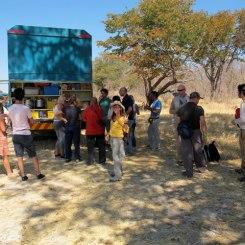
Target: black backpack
pixel 184 130
pixel 211 152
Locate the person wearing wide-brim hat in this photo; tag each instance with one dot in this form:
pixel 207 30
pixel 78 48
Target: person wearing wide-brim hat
pixel 118 129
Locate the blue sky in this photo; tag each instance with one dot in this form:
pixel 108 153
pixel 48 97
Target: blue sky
pixel 87 15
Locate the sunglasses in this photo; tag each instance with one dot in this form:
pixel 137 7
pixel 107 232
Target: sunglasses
pixel 179 90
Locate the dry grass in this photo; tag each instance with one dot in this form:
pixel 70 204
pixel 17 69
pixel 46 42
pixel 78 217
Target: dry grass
pixel 153 204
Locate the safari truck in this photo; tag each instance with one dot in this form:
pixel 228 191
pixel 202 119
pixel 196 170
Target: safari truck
pixel 49 62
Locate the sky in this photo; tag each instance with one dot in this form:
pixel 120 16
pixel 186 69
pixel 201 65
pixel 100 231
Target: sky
pixel 76 14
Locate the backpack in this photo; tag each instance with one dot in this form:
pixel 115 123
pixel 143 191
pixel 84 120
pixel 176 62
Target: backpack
pixel 211 152
pixel 184 130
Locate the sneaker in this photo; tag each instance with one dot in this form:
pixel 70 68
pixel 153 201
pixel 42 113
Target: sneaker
pixel 188 175
pixel 242 179
pixel 112 175
pixel 24 178
pixel 68 160
pixel 200 170
pixel 115 179
pixel 78 160
pixel 40 176
pixel 239 171
pixel 180 163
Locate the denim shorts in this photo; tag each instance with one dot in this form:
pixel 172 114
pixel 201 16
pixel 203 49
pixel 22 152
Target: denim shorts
pixel 22 142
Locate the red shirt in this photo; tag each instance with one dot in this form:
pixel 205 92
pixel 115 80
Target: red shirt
pixel 93 116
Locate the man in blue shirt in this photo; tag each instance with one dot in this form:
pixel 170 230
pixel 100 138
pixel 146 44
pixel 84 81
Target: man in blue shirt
pixel 153 130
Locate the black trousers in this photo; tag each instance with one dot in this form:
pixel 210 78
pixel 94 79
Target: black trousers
pixel 72 134
pixel 96 141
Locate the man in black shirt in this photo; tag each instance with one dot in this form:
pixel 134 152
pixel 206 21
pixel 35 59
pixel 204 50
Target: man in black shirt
pixel 128 105
pixel 192 148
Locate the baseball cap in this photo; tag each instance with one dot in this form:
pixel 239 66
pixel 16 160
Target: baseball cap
pixel 195 95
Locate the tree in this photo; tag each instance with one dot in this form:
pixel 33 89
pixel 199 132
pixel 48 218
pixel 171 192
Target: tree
pixel 151 38
pixel 241 30
pixel 214 46
pixel 112 72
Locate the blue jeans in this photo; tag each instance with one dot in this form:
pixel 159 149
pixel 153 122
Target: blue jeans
pixel 129 145
pixel 154 134
pixel 60 133
pixel 72 134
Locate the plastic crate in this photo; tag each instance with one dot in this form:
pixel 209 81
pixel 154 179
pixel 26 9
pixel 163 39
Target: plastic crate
pixel 51 90
pixel 50 114
pixel 35 114
pixel 31 91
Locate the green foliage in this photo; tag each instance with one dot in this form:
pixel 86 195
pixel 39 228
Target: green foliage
pixel 214 46
pixel 112 72
pixel 159 37
pixel 152 39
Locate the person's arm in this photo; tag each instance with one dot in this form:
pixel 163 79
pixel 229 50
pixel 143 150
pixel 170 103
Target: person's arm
pixel 2 125
pixel 241 120
pixel 29 117
pixel 172 108
pixel 129 110
pixel 152 109
pixel 137 109
pixel 203 125
pixel 130 107
pixel 178 120
pixel 84 115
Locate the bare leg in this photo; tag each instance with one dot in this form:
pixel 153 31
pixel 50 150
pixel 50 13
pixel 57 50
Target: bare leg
pixel 7 165
pixel 20 164
pixel 35 163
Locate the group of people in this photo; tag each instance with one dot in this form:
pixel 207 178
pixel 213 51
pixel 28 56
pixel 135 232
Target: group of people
pixel 102 119
pixel 112 123
pixel 191 130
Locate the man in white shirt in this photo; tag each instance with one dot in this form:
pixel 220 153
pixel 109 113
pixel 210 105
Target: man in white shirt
pixel 21 118
pixel 241 123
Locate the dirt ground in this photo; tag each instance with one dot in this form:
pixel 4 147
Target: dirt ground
pixel 153 204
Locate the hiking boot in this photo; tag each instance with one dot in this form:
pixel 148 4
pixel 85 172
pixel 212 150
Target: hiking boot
pixel 242 179
pixel 200 170
pixel 180 163
pixel 239 170
pixel 186 174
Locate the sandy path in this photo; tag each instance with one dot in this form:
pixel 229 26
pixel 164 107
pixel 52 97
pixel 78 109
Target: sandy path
pixel 153 204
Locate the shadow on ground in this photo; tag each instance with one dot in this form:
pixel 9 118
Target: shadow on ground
pixel 153 204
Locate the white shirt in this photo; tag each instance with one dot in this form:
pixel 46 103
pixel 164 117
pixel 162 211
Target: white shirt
pixel 241 121
pixel 19 115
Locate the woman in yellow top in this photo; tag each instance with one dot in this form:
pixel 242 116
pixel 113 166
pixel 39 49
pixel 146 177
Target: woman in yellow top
pixel 118 128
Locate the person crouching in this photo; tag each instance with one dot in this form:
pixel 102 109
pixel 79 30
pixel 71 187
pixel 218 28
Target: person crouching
pixel 118 129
